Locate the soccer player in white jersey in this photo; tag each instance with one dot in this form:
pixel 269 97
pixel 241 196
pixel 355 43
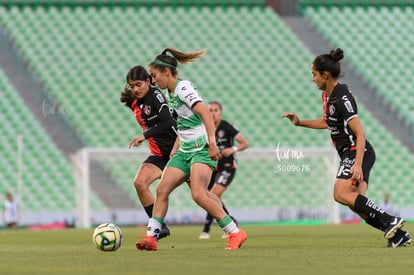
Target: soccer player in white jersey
pixel 195 153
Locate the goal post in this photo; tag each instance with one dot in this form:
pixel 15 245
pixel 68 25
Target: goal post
pixel 271 185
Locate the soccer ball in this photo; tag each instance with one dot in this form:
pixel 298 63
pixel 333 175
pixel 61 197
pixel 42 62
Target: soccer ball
pixel 107 237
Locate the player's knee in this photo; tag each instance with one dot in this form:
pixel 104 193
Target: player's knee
pixel 163 192
pixel 141 185
pixel 198 196
pixel 341 198
pixel 337 197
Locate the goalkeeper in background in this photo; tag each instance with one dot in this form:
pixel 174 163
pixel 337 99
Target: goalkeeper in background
pixel 340 116
pixel 152 113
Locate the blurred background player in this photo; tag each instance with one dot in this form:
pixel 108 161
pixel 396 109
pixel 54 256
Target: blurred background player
pixel 11 212
pixel 387 205
pixel 225 170
pixel 152 113
pixel 356 153
pixel 195 153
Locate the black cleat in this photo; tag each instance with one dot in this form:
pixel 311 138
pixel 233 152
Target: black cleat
pixel 400 239
pixel 392 227
pixel 164 232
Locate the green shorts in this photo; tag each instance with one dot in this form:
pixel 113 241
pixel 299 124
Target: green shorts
pixel 183 161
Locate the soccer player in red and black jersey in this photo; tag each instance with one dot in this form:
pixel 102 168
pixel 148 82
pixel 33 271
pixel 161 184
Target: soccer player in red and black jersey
pixel 226 135
pixel 153 115
pixel 356 153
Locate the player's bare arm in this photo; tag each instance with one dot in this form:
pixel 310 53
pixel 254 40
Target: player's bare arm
pixel 242 145
pixel 175 147
pixel 205 114
pixel 319 123
pixel 356 127
pixel 135 142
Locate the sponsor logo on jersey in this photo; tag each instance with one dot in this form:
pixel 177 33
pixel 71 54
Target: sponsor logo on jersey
pixel 334 130
pixel 348 106
pixel 191 97
pixel 160 98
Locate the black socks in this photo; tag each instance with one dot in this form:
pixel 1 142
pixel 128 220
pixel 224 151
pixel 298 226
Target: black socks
pixel 373 212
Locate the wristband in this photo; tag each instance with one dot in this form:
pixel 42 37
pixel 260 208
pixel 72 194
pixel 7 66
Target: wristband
pixel 212 140
pixel 235 148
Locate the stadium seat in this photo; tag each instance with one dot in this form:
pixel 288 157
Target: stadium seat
pixel 254 65
pixel 41 158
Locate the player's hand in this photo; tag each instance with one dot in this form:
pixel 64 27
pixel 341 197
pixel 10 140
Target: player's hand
pixel 357 174
pixel 292 117
pixel 214 152
pixel 135 142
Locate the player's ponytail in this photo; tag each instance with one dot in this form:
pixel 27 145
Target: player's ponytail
pixel 163 60
pixel 337 54
pixel 126 97
pixel 184 57
pixel 329 62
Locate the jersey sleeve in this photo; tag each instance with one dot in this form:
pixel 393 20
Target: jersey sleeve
pixel 159 101
pixel 346 106
pixel 188 94
pixel 233 131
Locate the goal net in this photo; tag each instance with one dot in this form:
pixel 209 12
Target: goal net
pixel 270 185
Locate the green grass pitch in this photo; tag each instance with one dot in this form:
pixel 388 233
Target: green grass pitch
pixel 307 249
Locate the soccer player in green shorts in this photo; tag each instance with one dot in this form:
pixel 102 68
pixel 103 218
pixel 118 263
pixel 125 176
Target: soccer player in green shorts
pixel 195 152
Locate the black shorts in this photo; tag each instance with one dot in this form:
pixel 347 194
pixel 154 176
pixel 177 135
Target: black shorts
pixel 348 159
pixel 160 162
pixel 223 176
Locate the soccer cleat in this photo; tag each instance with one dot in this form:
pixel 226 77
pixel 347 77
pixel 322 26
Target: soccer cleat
pixel 400 239
pixel 393 227
pixel 149 243
pixel 204 236
pixel 235 240
pixel 164 232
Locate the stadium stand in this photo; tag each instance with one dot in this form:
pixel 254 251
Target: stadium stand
pixel 47 179
pixel 88 54
pixel 254 64
pixel 351 3
pixel 376 37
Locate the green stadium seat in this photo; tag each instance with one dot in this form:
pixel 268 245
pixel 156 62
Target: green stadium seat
pixel 38 148
pixel 83 53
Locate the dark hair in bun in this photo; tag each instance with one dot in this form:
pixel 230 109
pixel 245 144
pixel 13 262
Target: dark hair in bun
pixel 329 62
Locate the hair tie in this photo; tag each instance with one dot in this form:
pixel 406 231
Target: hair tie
pixel 160 62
